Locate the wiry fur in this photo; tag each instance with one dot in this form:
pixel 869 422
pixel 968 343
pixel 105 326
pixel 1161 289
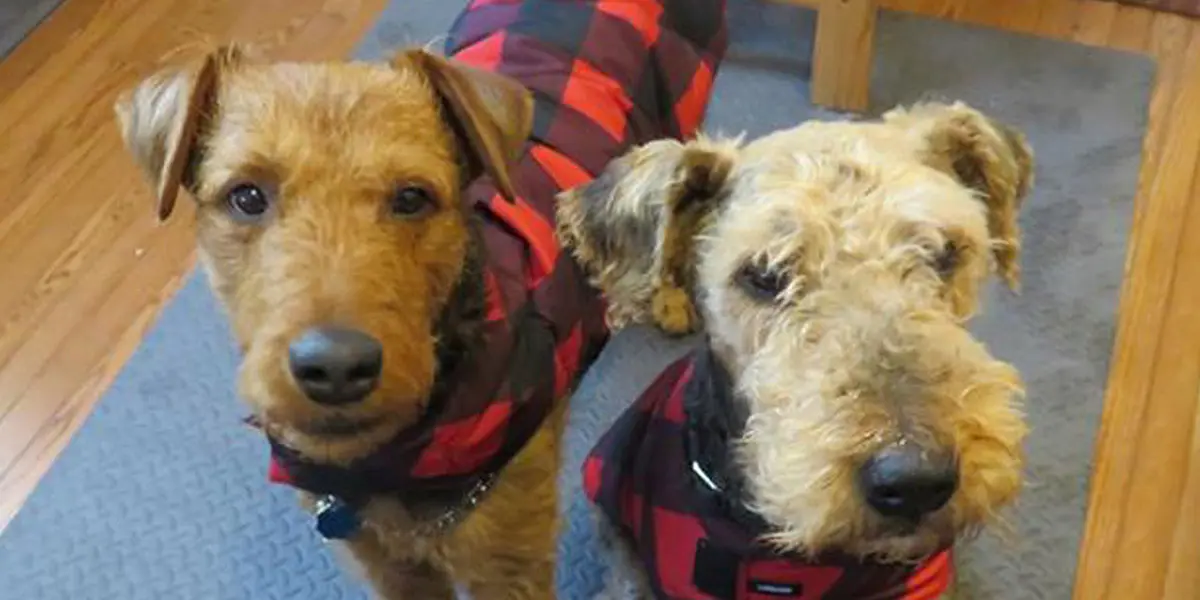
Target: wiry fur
pixel 867 344
pixel 630 242
pixel 330 143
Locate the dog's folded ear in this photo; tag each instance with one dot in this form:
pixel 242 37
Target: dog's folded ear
pixel 163 117
pixel 990 158
pixel 491 115
pixel 634 228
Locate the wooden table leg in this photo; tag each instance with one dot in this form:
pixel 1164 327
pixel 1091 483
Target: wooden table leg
pixel 844 47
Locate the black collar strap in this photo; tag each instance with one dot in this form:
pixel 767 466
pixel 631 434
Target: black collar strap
pixel 715 419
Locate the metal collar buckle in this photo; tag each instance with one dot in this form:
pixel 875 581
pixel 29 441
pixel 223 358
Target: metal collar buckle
pixel 453 515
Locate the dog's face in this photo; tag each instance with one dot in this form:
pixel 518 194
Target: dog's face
pixel 835 266
pixel 329 221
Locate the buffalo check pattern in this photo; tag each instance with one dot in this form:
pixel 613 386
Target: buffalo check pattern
pixel 641 477
pixel 605 75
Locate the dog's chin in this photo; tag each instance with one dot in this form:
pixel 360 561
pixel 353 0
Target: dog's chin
pixel 912 547
pixel 903 542
pixel 336 427
pixel 336 439
pixel 887 543
pixel 336 435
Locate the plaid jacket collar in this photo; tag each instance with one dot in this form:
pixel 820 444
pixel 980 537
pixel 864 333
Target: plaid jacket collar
pixel 662 475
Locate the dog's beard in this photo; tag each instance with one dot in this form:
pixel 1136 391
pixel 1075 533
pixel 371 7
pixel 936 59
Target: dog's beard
pixel 336 440
pixel 907 542
pixel 340 426
pixel 878 541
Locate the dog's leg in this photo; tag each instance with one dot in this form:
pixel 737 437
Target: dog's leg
pixel 509 551
pixel 514 578
pixel 393 579
pixel 506 548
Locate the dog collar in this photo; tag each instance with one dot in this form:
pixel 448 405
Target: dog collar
pixel 713 418
pixel 337 519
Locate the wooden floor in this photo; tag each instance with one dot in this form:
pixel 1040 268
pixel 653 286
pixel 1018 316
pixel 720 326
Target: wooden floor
pixel 85 268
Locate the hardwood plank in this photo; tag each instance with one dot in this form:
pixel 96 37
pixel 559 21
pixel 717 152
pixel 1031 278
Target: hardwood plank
pixel 1129 374
pixel 943 9
pixel 1057 18
pixel 108 228
pixel 1018 16
pixel 1131 29
pixel 66 324
pixel 1021 16
pixel 843 51
pixel 36 430
pixel 1169 409
pixel 86 266
pixel 62 24
pixel 1095 22
pixel 35 230
pixel 1170 36
pixel 1122 552
pixel 58 105
pixel 1183 578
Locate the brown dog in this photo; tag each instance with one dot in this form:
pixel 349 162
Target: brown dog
pixel 330 222
pixel 381 235
pixel 841 409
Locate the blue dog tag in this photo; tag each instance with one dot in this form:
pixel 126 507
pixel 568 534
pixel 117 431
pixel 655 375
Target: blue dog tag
pixel 336 520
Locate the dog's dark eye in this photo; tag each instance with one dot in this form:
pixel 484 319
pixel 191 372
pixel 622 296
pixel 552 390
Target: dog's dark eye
pixel 762 283
pixel 247 200
pixel 946 261
pixel 410 202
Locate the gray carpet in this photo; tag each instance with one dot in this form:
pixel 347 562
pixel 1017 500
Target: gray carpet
pixel 18 18
pixel 162 493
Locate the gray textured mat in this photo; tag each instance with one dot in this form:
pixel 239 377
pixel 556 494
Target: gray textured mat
pixel 162 494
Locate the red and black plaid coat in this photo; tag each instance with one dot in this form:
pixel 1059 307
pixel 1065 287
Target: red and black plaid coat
pixel 605 74
pixel 693 547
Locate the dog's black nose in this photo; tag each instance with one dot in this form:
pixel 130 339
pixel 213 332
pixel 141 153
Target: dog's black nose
pixel 908 481
pixel 335 365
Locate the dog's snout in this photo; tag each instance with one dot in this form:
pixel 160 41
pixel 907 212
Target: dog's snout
pixel 335 365
pixel 908 481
